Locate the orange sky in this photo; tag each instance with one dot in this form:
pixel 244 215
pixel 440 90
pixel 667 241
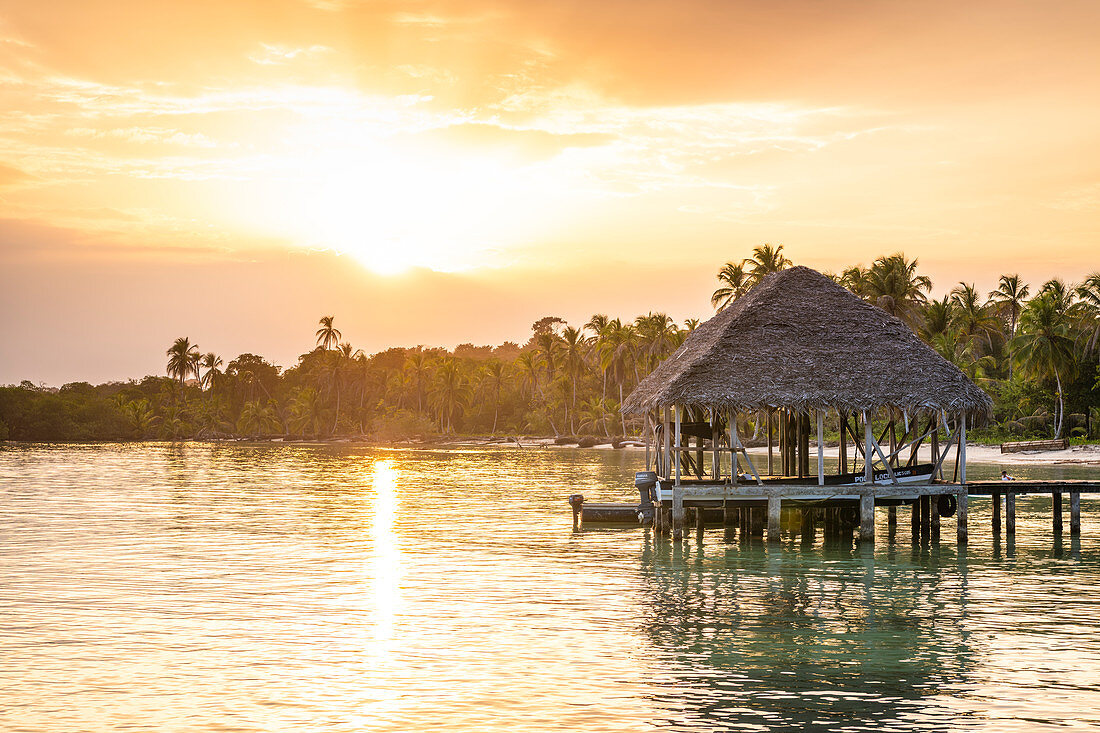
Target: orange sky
pixel 438 172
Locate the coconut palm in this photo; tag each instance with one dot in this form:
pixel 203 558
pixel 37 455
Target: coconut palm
pixel 765 260
pixel 418 367
pixel 210 362
pixel 734 284
pixel 183 358
pixel 572 362
pixel 1044 345
pixel 973 317
pixel 893 284
pixel 600 326
pixel 306 412
pixel 327 335
pixel 496 372
pixel 938 317
pixel 1010 297
pixel 258 419
pixel 450 391
pixel 1089 294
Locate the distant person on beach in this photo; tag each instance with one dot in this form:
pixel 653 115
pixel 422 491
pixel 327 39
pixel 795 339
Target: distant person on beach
pixel 1006 477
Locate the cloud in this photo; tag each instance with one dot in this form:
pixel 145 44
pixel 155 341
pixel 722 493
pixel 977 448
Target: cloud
pixel 280 55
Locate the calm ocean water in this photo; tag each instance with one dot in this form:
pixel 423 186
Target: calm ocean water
pixel 295 588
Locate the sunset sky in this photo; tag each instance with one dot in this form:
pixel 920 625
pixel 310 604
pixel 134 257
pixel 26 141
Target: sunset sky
pixel 442 172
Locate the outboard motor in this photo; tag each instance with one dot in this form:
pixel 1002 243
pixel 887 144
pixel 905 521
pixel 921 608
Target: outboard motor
pixel 576 501
pixel 646 483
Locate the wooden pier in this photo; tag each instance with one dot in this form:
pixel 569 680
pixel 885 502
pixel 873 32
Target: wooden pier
pixel 801 510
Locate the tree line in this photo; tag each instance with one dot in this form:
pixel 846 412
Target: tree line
pixel 1035 351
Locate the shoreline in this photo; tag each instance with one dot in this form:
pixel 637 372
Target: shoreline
pixel 1075 455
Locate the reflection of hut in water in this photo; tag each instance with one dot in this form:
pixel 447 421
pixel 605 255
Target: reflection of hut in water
pixel 747 638
pixel 796 348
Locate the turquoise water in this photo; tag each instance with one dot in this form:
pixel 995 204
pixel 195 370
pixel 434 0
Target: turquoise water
pixel 337 588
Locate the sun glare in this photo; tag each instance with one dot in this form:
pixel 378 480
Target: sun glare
pixel 394 200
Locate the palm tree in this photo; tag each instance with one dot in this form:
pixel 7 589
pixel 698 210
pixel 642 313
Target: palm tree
pixel 734 284
pixel 1089 294
pixel 600 326
pixel 938 317
pixel 495 373
pixel 450 391
pixel 572 351
pixel 306 412
pixel 855 279
pixel 258 419
pixel 417 366
pixel 183 358
pixel 893 284
pixel 973 317
pixel 1010 298
pixel 765 260
pixel 210 362
pixel 1044 345
pixel 327 335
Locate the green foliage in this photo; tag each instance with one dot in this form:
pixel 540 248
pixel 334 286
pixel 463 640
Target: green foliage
pixel 1037 358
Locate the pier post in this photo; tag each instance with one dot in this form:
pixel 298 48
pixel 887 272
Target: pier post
pixel 934 511
pixel 807 524
pixel 925 517
pixel 867 517
pixel 774 505
pixel 914 521
pixel 700 521
pixel 961 514
pixel 996 514
pixel 677 512
pixel 892 522
pixel 1057 511
pixel 1074 513
pixel 1010 515
pixel 727 513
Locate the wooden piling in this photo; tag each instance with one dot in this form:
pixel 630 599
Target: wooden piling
pixel 914 520
pixel 1057 511
pixel 774 506
pixel 727 514
pixel 677 512
pixel 806 526
pixel 867 517
pixel 1074 513
pixel 700 521
pixel 996 514
pixel 1010 515
pixel 961 514
pixel 892 521
pixel 934 510
pixel 925 517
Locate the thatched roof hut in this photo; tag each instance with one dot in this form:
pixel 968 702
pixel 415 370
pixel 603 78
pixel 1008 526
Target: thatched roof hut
pixel 799 340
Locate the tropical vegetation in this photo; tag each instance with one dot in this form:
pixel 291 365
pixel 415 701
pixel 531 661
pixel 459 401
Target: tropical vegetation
pixel 1035 351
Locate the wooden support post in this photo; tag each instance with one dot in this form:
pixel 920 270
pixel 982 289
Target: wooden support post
pixel 1010 515
pixel 677 445
pixel 962 449
pixel 820 447
pixel 961 514
pixel 915 521
pixel 806 526
pixel 996 515
pixel 925 517
pixel 892 521
pixel 1057 511
pixel 938 473
pixel 677 512
pixel 700 521
pixel 867 517
pixel 727 513
pixel 774 506
pixel 666 434
pixel 769 442
pixel 716 460
pixel 868 477
pixel 934 510
pixel 735 440
pixel 1074 513
pixel 648 431
pixel 744 516
pixel 842 420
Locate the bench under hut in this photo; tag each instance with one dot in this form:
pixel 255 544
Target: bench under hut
pixel 796 350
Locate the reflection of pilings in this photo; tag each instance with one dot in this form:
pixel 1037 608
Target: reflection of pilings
pixel 1074 513
pixel 1057 511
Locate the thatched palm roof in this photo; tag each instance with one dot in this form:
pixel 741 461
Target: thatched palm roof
pixel 800 340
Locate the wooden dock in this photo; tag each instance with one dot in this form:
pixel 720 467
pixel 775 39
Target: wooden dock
pixel 773 508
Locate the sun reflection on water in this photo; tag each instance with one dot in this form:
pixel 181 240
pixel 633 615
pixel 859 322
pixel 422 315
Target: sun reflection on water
pixel 387 555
